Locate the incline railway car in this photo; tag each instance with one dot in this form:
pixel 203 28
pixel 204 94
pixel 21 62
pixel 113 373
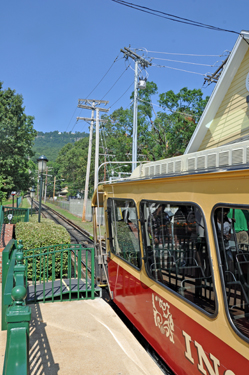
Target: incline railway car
pixel 178 258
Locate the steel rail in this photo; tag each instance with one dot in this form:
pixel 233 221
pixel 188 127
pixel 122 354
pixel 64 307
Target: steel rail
pixel 83 232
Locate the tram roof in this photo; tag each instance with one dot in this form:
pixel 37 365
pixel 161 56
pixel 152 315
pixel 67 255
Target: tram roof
pixel 228 157
pixel 231 157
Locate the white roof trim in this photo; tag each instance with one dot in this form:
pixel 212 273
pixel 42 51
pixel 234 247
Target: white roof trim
pixel 230 69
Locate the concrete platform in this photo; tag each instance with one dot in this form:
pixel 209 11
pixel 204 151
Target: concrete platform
pixel 82 338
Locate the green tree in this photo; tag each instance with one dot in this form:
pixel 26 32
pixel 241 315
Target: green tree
pixel 173 128
pixel 2 193
pixel 16 140
pixel 72 161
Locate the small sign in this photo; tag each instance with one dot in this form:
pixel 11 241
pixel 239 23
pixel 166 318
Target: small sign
pixel 10 217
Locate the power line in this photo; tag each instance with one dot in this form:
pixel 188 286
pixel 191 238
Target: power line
pixel 183 62
pixel 182 70
pixel 103 76
pixel 225 53
pixel 116 82
pixel 116 59
pixel 74 125
pixel 171 17
pixel 121 95
pixel 71 119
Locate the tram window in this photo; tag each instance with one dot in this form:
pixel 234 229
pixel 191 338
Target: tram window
pixel 176 252
pixel 123 230
pixel 231 227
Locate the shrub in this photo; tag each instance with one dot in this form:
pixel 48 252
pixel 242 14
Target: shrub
pixel 47 233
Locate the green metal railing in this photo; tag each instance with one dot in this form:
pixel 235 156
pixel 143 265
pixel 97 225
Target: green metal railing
pixel 15 314
pixel 1 218
pixel 60 273
pixel 19 201
pixel 18 214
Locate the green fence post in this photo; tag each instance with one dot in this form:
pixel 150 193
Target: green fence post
pixel 18 316
pixel 19 269
pixel 27 216
pixel 92 273
pixel 7 280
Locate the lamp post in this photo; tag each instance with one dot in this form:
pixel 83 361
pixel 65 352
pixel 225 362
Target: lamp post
pixel 13 193
pixel 32 195
pixel 42 163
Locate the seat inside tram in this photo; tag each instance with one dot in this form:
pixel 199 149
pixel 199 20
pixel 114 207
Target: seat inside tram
pixel 174 240
pixel 231 227
pixel 176 251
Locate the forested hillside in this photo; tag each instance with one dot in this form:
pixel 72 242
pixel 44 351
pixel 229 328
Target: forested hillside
pixel 49 144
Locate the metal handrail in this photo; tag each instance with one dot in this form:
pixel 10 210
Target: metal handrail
pixel 53 272
pixel 17 315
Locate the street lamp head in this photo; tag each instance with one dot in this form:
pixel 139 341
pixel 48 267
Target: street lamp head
pixel 42 162
pixel 32 192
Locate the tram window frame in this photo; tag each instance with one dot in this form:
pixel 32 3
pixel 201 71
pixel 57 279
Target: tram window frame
pixel 214 312
pixel 111 238
pixel 220 265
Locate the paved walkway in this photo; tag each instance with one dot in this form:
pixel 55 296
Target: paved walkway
pixel 82 338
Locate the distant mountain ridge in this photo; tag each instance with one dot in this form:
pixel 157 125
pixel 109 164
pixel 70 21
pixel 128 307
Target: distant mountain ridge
pixel 50 143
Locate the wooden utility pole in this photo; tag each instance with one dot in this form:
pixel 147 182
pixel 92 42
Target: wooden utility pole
pixel 54 188
pixel 46 183
pixel 91 104
pixel 139 60
pixel 105 155
pixel 38 185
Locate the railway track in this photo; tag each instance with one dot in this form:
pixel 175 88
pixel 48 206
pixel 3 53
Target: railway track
pixel 78 235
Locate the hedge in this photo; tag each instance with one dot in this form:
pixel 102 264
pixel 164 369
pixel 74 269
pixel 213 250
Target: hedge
pixel 36 235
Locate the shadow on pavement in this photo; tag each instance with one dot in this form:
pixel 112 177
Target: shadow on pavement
pixel 41 359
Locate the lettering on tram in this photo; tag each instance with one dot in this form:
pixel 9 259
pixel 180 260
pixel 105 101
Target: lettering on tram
pixel 203 358
pixel 231 228
pixel 123 229
pixel 176 250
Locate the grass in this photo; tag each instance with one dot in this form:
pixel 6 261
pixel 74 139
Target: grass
pixel 88 226
pixel 25 203
pixel 9 202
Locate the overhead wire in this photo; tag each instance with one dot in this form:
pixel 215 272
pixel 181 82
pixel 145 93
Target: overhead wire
pixel 71 118
pixel 74 125
pixel 116 59
pixel 115 82
pixel 104 76
pixel 187 54
pixel 121 95
pixel 171 17
pixel 183 62
pixel 182 70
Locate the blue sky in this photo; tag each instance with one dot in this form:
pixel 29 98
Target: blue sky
pixel 55 52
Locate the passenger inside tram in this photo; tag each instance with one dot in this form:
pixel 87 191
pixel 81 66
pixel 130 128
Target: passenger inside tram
pixel 176 250
pixel 232 237
pixel 123 226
